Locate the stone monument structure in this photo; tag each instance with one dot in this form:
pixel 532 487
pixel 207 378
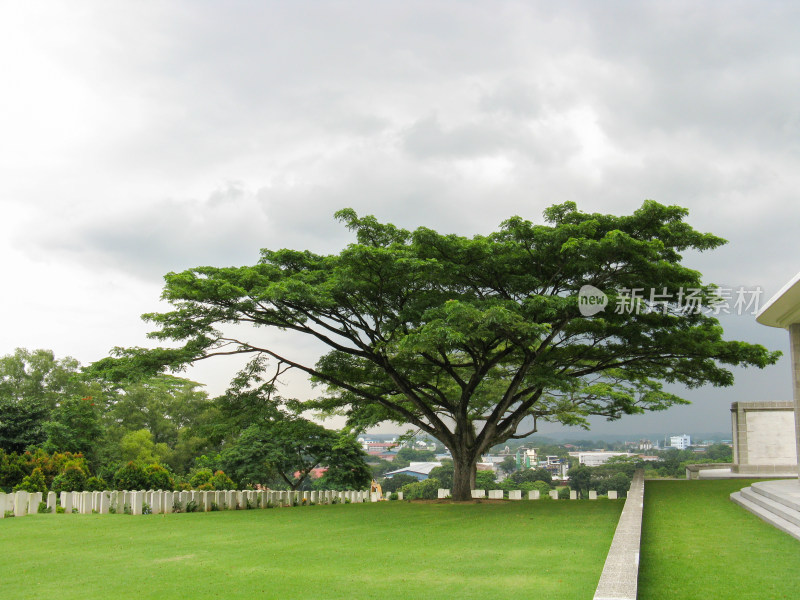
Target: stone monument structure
pixel 778 502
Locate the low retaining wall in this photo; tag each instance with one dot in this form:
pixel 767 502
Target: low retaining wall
pixel 620 578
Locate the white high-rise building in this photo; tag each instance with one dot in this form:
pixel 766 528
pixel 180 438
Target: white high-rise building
pixel 681 442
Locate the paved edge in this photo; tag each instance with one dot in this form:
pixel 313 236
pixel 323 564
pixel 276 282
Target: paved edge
pixel 620 577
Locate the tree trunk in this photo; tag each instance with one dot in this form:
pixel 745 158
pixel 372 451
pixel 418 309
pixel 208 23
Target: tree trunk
pixel 464 467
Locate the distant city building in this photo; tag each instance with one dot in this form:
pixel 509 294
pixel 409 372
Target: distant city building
pixel 556 466
pixel 595 458
pixel 681 442
pixel 526 458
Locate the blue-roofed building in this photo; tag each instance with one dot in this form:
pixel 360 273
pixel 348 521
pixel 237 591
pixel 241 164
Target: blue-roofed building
pixel 420 470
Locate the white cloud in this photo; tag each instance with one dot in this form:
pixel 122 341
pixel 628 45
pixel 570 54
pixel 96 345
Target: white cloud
pixel 140 138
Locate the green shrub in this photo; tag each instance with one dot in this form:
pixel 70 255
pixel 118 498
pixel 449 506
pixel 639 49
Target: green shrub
pixel 396 482
pixel 563 493
pixel 201 477
pixel 71 479
pixel 32 483
pixel 427 489
pixel 130 476
pixel 543 487
pixel 220 481
pixel 96 484
pixel 158 478
pixel 42 508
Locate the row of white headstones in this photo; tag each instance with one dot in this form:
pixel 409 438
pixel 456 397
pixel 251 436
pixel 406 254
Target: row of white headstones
pixel 532 495
pixel 142 502
pixel 158 501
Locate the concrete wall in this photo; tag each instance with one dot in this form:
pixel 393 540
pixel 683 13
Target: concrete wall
pixel 763 437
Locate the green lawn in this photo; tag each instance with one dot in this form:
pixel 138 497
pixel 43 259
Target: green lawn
pixel 387 550
pixel 696 543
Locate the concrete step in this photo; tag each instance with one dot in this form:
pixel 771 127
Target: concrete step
pixel 777 508
pixel 783 492
pixel 765 515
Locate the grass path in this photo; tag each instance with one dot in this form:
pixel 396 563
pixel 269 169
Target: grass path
pixel 387 550
pixel 696 543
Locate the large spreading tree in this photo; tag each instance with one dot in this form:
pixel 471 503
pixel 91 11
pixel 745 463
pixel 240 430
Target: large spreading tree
pixel 471 340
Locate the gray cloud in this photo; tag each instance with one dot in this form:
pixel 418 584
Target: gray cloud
pixel 164 137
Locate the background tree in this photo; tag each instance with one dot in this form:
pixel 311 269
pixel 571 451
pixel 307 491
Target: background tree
pixel 530 475
pixel 396 482
pixel 508 466
pixel 579 479
pixel 31 385
pixel 470 340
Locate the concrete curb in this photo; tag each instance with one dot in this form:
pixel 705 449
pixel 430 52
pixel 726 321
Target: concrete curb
pixel 620 578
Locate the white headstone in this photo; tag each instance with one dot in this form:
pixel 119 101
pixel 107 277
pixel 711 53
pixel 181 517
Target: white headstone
pixel 443 493
pixel 573 494
pixel 66 501
pixel 495 494
pixel 3 504
pixel 137 499
pixel 20 504
pixel 105 502
pixel 33 502
pixel 478 493
pixel 155 503
pixel 399 495
pixel 86 503
pixel 515 494
pixel 612 494
pixel 169 502
pixel 554 494
pixel 205 501
pixel 592 495
pixel 533 495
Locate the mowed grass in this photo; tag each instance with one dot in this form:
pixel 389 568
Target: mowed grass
pixel 696 543
pixel 547 549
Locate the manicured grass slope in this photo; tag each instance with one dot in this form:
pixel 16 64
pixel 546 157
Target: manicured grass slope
pixel 696 543
pixel 386 550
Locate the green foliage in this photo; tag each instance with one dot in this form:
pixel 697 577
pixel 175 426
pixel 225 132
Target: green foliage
pixel 531 475
pixel 11 470
pixel 485 480
pixel 396 482
pixel 467 338
pixel 131 476
pixel 158 478
pixel 32 483
pixel 509 465
pixel 288 447
pixel 32 383
pixel 72 479
pixel 580 479
pixel 444 474
pixel 220 481
pixel 74 426
pixel 201 477
pixel 42 508
pixel 543 487
pixel 96 484
pixel 427 489
pixel 563 493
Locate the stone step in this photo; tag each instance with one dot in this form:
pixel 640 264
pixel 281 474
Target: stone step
pixel 777 508
pixel 765 515
pixel 782 492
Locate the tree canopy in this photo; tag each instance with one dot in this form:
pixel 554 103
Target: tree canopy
pixel 471 340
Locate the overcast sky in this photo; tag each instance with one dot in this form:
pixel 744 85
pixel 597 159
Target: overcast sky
pixel 138 138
